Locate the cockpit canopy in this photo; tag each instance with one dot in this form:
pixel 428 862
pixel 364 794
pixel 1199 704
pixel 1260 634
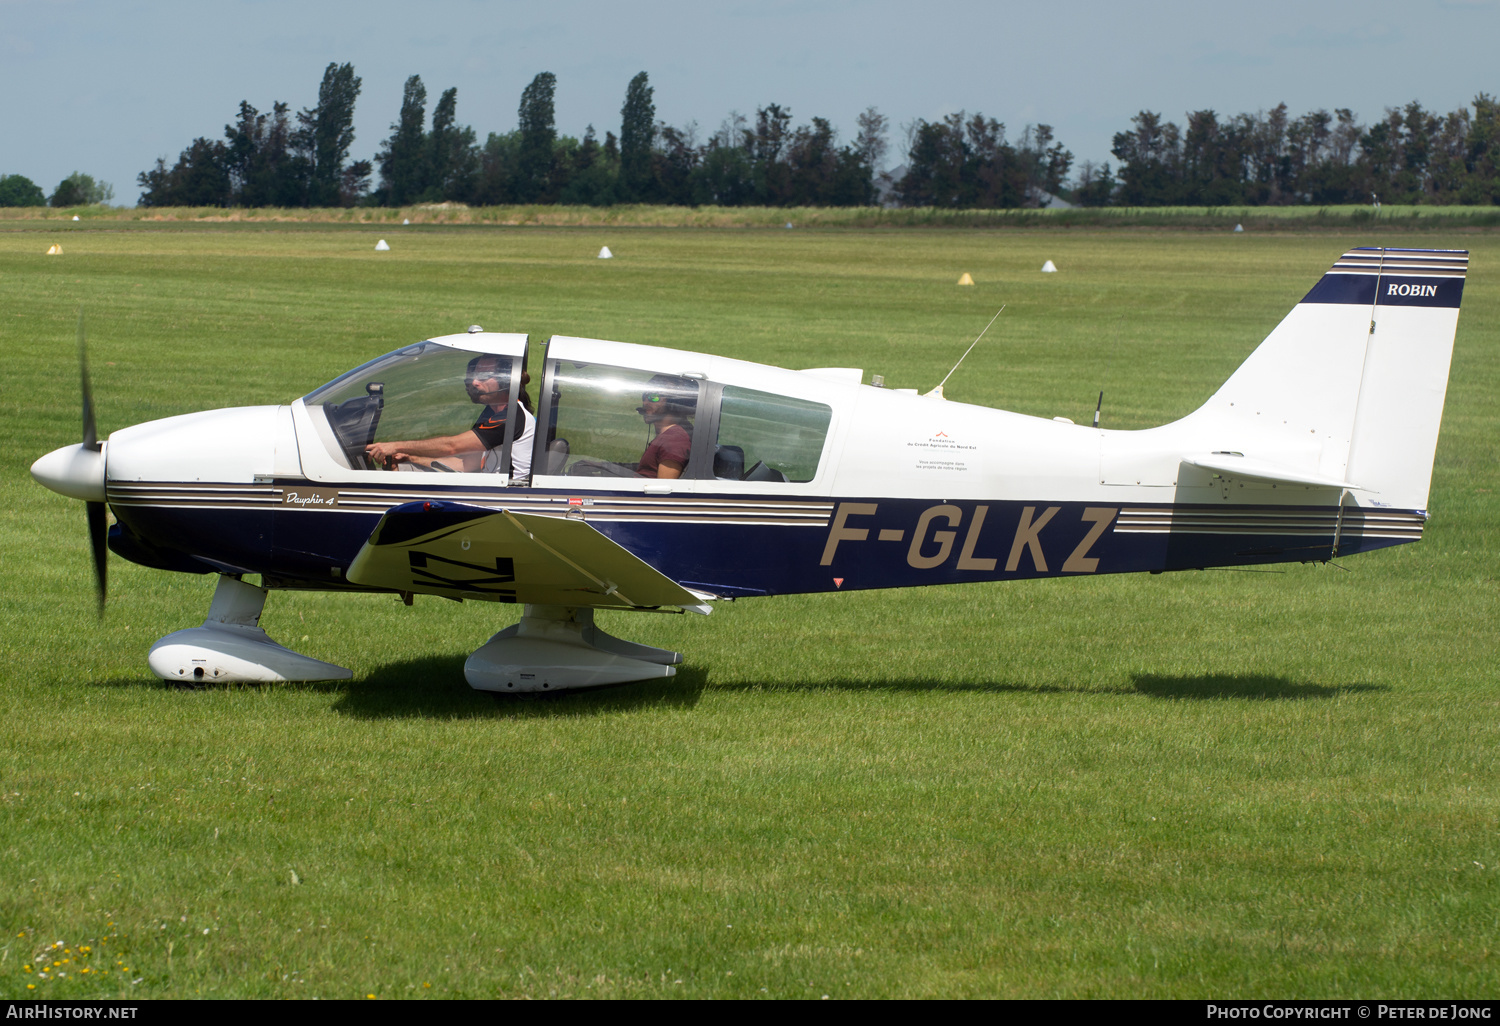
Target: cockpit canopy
pixel 602 409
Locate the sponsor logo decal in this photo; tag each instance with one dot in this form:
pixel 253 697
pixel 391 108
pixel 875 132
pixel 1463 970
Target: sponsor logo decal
pixel 950 453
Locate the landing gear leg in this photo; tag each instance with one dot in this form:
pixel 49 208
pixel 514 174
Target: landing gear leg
pixel 558 648
pixel 231 647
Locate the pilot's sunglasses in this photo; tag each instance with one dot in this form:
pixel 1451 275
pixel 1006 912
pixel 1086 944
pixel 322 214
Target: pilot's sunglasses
pixel 652 397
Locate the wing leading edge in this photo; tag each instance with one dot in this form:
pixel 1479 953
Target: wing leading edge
pixel 463 551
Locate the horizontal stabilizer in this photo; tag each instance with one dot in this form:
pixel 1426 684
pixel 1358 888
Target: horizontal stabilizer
pixel 1232 464
pixel 463 551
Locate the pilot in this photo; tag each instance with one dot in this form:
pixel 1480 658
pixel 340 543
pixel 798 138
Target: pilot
pixel 477 449
pixel 667 407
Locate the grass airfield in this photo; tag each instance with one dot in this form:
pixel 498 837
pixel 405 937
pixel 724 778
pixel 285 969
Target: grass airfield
pixel 1187 785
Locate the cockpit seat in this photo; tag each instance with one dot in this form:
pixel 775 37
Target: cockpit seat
pixel 729 463
pixel 761 472
pixel 354 422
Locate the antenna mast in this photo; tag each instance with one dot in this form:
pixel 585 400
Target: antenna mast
pixel 1112 348
pixel 938 392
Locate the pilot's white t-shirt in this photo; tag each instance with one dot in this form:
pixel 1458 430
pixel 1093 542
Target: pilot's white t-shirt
pixel 520 449
pixel 490 423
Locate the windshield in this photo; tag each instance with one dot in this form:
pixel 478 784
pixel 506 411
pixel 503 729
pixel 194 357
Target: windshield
pixel 417 393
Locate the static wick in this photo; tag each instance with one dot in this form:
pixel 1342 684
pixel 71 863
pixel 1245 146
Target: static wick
pixel 939 390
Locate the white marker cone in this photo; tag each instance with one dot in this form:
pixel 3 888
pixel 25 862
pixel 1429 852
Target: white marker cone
pixel 965 279
pixel 406 220
pixel 1049 267
pixel 382 246
pixel 605 254
pixel 75 217
pixel 1239 227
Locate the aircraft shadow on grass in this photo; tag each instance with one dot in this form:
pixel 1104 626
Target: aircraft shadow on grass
pixel 1198 686
pixel 1258 686
pixel 429 687
pixel 907 686
pixel 434 688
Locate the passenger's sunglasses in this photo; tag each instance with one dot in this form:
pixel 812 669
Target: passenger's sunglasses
pixel 652 397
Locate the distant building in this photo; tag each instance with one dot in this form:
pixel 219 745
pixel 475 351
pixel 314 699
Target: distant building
pixel 885 186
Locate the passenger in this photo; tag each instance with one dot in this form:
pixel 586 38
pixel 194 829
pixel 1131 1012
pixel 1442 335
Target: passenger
pixel 668 407
pixel 477 449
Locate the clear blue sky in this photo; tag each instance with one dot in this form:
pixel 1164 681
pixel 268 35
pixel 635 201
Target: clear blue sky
pixel 107 87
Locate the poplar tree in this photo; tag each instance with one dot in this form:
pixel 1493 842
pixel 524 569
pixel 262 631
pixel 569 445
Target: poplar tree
pixel 538 136
pixel 403 159
pixel 327 131
pixel 637 132
pixel 443 143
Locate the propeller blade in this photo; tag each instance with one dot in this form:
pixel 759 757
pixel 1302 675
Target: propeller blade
pixel 98 538
pixel 90 435
pixel 98 527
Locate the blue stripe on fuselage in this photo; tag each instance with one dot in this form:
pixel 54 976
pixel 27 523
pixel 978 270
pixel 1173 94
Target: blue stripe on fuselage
pixel 867 543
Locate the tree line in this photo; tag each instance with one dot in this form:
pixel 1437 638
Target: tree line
pixel 272 160
pixel 76 190
pixel 284 159
pixel 1411 156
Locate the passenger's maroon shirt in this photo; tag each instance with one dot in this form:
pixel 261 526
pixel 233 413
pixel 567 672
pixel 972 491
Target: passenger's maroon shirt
pixel 674 444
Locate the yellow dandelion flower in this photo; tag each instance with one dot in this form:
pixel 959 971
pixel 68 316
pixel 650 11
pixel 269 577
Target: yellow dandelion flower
pixel 370 996
pixel 31 986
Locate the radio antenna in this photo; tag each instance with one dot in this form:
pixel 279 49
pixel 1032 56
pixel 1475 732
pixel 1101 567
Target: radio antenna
pixel 938 392
pixel 1113 348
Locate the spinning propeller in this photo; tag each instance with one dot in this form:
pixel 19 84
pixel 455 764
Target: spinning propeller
pixel 98 529
pixel 77 471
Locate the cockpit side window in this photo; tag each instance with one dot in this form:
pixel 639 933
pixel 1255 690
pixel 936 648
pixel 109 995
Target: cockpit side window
pixel 768 437
pixel 617 422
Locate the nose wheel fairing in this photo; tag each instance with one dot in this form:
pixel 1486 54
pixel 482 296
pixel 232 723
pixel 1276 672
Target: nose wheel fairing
pixel 231 647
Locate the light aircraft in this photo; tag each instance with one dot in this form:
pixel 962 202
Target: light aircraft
pixel 1320 445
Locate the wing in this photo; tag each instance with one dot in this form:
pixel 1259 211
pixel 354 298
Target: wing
pixel 462 551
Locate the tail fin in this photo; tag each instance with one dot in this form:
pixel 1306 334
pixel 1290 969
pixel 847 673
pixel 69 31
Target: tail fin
pixel 1355 376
